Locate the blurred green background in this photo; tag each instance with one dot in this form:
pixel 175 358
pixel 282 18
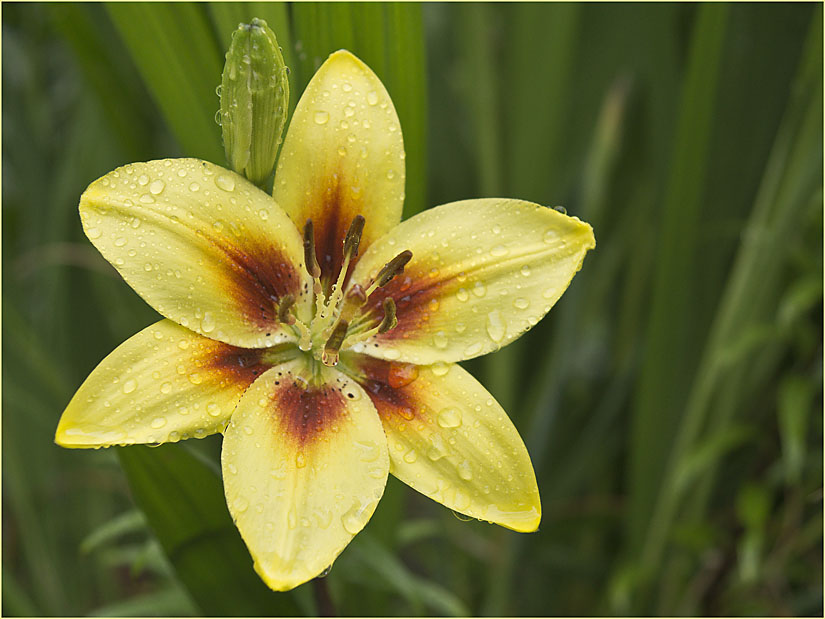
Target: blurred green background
pixel 671 401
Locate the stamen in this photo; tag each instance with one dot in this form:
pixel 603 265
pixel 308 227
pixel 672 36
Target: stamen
pixel 351 242
pixel 389 271
pixel 284 308
pixel 310 259
pixel 333 345
pixel 390 319
pixel 353 238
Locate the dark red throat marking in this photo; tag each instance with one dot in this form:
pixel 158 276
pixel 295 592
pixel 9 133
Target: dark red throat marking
pixel 412 292
pixel 304 412
pixel 261 278
pixel 240 365
pixel 377 378
pixel 331 230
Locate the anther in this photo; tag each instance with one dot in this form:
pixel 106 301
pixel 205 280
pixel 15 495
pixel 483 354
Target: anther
pixel 353 238
pixel 284 308
pixel 390 320
pixel 333 345
pixel 310 259
pixel 388 271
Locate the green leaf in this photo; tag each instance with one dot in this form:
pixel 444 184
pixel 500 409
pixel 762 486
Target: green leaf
pixel 177 55
pixel 184 504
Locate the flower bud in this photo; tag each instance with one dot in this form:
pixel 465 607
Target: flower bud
pixel 254 96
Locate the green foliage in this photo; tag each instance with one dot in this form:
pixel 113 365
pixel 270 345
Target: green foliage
pixel 671 401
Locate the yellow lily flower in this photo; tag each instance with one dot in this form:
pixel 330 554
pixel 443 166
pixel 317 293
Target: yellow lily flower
pixel 318 333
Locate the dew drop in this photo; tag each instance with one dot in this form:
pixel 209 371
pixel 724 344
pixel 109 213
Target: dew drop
pixel 143 179
pixel 240 505
pixel 495 326
pixel 479 289
pixel 525 270
pixel 449 418
pixel 158 422
pixel 195 378
pixel 353 519
pixel 465 471
pixel 346 87
pixel 551 236
pixel 521 303
pixel 300 460
pixel 401 374
pixel 440 340
pixel 473 349
pixel 321 117
pixel 213 409
pixel 93 233
pixel 368 452
pixel 263 214
pixel 166 387
pixel 120 241
pixel 129 386
pixel 208 322
pixel 194 187
pixel 410 456
pixel 372 97
pixel 157 186
pixel 499 251
pixel 496 229
pixel 462 294
pixel 227 183
pixel 440 368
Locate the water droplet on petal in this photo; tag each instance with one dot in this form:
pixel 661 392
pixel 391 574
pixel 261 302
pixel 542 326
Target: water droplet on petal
pixel 157 186
pixel 129 386
pixel 495 326
pixel 227 183
pixel 479 289
pixel 321 117
pixel 401 374
pixel 208 322
pixel 213 409
pixel 93 233
pixel 240 505
pixel 368 452
pixel 473 349
pixel 462 294
pixel 465 471
pixel 440 340
pixel 525 270
pixel 499 251
pixel 449 418
pixel 158 422
pixel 551 236
pixel 372 97
pixel 440 368
pixel 194 187
pixel 300 460
pixel 521 303
pixel 166 387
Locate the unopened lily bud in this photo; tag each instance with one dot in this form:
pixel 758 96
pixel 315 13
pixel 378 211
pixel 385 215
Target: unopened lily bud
pixel 254 97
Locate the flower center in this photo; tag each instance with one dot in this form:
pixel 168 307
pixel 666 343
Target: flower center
pixel 341 319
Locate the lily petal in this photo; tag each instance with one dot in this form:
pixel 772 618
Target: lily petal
pixel 450 440
pixel 482 273
pixel 164 384
pixel 304 466
pixel 201 245
pixel 343 156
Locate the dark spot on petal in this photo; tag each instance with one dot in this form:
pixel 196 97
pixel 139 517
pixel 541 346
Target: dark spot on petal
pixel 376 377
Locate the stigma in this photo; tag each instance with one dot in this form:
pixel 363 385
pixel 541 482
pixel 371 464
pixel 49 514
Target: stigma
pixel 341 318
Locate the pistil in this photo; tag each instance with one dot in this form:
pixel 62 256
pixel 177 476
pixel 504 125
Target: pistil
pixel 338 320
